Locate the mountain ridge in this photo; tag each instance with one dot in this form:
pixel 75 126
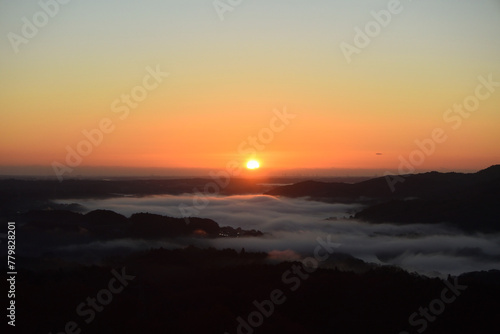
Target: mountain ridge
pixel 466 201
pixel 429 185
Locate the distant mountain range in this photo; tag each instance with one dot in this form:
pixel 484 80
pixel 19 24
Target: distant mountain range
pixel 467 201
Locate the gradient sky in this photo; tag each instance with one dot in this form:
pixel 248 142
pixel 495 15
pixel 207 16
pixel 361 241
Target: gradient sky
pixel 226 78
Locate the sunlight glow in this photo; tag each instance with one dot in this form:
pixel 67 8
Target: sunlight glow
pixel 253 164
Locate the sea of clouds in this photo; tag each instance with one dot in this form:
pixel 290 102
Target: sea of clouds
pixel 292 227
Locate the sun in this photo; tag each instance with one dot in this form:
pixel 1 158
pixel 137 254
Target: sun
pixel 253 164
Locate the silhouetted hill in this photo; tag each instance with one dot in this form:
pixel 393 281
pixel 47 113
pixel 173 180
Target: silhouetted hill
pixel 467 201
pixel 479 214
pixel 105 218
pixel 208 291
pixel 151 226
pixel 489 173
pixel 432 185
pixel 106 224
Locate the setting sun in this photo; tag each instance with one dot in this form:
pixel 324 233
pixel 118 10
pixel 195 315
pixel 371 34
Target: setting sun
pixel 253 164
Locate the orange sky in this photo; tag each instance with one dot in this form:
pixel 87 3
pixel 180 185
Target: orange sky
pixel 227 80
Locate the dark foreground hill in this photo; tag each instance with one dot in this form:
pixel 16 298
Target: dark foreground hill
pixel 209 291
pixel 467 201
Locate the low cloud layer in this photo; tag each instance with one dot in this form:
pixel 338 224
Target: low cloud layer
pixel 292 226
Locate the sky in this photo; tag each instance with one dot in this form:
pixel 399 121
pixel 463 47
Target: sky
pixel 295 84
